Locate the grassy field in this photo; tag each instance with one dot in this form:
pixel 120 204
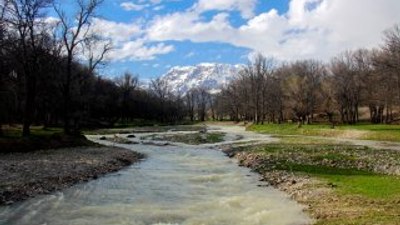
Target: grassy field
pixel 40 138
pixel 364 184
pixel 379 132
pixel 36 131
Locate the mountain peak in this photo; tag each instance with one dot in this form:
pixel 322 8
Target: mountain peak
pixel 212 76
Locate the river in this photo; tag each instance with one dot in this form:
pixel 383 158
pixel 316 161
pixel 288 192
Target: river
pixel 175 184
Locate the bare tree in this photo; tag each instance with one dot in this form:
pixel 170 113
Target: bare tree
pixel 127 83
pixel 190 98
pixel 74 32
pixel 160 88
pixel 382 85
pixel 302 85
pixel 328 101
pixel 203 98
pixel 2 65
pixel 95 50
pixel 25 19
pixel 348 85
pixel 391 49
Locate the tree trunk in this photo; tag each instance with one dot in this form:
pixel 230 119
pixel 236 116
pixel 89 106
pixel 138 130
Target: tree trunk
pixel 67 97
pixel 29 105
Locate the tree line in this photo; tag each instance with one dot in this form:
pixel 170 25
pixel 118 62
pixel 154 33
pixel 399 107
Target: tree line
pixel 48 72
pixel 268 91
pixel 48 76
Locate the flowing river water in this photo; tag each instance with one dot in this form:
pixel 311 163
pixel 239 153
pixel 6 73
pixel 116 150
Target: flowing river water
pixel 175 184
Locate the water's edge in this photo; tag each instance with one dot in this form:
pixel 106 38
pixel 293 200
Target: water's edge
pixel 175 185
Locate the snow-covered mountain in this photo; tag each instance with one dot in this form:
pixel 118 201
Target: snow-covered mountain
pixel 212 76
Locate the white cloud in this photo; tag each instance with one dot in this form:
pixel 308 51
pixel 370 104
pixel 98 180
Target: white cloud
pixel 116 31
pixel 130 6
pixel 155 1
pixel 188 26
pixel 139 50
pixel 190 54
pixel 310 29
pixel 127 41
pixel 158 8
pixel 245 7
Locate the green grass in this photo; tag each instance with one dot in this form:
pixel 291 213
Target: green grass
pixel 370 186
pixel 36 131
pixel 381 132
pixel 215 137
pixel 321 170
pixel 357 192
pixel 337 164
pixel 353 181
pixel 192 139
pixel 307 140
pixel 49 138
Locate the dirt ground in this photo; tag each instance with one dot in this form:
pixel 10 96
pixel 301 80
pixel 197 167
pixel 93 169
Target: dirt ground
pixel 25 175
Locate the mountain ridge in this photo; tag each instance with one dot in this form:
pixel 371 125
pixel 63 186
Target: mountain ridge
pixel 212 76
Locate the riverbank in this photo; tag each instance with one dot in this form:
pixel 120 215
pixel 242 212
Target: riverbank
pixel 40 139
pixel 28 174
pixel 338 184
pixel 376 132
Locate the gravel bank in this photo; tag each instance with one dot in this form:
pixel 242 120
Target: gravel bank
pixel 322 199
pixel 25 175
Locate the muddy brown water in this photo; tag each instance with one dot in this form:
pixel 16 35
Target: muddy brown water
pixel 175 184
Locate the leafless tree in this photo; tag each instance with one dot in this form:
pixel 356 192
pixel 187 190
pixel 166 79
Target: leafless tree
pixel 160 88
pixel 302 85
pixel 95 49
pixel 348 84
pixel 190 100
pixel 203 98
pixel 382 86
pixel 329 105
pixel 74 32
pixel 127 84
pixel 25 19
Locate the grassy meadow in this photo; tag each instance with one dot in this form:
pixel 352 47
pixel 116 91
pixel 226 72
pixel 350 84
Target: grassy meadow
pixel 360 185
pixel 377 132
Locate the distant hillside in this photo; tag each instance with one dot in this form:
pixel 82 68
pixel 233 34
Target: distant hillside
pixel 212 76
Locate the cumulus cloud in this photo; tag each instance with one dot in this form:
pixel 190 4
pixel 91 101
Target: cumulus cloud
pixel 310 28
pixel 139 50
pixel 116 31
pixel 127 41
pixel 130 6
pixel 245 7
pixel 189 26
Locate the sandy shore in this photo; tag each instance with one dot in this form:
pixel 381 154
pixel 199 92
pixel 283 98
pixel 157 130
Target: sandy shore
pixel 25 175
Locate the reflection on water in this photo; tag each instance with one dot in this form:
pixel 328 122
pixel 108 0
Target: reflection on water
pixel 174 185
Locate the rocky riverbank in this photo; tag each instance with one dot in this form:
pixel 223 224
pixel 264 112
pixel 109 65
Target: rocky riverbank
pixel 333 187
pixel 304 189
pixel 25 175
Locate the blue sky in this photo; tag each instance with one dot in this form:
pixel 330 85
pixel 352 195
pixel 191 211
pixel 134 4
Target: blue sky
pixel 151 36
pixel 185 52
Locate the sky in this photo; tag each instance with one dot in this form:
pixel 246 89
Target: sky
pixel 151 36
